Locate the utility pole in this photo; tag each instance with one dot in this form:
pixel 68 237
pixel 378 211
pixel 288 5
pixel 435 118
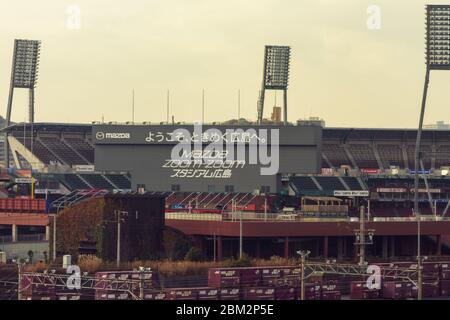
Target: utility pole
pixel 239 107
pixel 360 235
pixel 142 271
pixel 132 110
pixel 54 237
pixel 215 244
pixel 203 106
pixel 120 218
pixel 303 255
pixel 265 209
pixel 362 251
pixel 19 279
pixel 167 105
pixel 240 235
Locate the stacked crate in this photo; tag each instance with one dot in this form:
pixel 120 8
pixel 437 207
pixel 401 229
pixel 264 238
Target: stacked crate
pixel 360 291
pixel 229 293
pixel 312 291
pixel 224 278
pixel 330 290
pixel 445 279
pixel 110 285
pixel 154 295
pixel 250 277
pixel 263 293
pixel 394 290
pixel 285 293
pixel 182 294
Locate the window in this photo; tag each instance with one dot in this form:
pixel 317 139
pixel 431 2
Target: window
pixel 229 188
pixel 141 188
pixel 175 187
pixel 265 189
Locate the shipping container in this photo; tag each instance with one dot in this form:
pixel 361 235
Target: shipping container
pixel 312 291
pixel 229 293
pixel 250 277
pixel 285 293
pixel 359 290
pixel 258 293
pixel 208 294
pixel 331 295
pixel 393 290
pixel 182 294
pixel 330 285
pixel 407 290
pixel 68 296
pixel 445 288
pixel 112 280
pixel 224 277
pixel 154 295
pixel 272 276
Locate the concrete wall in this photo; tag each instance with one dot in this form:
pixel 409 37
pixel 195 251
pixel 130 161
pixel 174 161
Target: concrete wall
pixel 20 249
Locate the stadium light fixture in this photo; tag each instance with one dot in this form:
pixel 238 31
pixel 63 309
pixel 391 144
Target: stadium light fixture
pixel 275 75
pixel 24 73
pixel 437 57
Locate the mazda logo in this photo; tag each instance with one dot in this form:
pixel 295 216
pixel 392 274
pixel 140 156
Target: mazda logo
pixel 100 135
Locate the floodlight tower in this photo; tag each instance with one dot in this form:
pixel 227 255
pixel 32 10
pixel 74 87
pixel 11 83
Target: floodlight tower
pixel 437 57
pixel 275 76
pixel 23 75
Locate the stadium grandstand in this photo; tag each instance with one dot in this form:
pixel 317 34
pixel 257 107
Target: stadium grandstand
pixel 375 160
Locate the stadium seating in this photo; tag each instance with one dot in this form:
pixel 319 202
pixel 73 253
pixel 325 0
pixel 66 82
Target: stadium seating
pixel 363 155
pixel 391 155
pixel 336 155
pixel 39 150
pixel 73 182
pixel 119 180
pixel 97 181
pixel 352 183
pixel 330 183
pixel 425 149
pixel 303 183
pixel 62 151
pixel 83 147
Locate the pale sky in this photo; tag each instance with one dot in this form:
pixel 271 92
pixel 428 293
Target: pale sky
pixel 341 70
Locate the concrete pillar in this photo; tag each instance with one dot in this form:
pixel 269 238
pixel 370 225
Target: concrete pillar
pixel 325 247
pixel 219 248
pixel 14 232
pixel 438 245
pixel 47 233
pixel 385 248
pixel 340 248
pixel 286 247
pixel 392 246
pixel 355 255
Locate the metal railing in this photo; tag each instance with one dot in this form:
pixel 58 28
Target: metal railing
pixel 280 217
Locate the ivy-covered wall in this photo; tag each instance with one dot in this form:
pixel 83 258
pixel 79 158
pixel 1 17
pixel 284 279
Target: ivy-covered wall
pixel 96 220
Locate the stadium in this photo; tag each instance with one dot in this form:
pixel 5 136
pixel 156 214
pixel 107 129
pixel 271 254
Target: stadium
pixel 343 198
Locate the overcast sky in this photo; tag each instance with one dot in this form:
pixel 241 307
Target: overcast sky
pixel 341 70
